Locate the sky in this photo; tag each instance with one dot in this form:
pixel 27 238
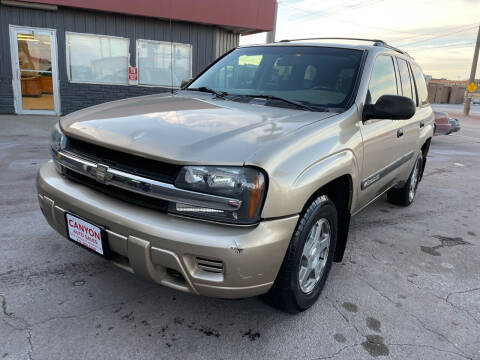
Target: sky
pixel 439 34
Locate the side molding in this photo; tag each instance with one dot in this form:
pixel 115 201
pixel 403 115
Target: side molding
pixel 386 170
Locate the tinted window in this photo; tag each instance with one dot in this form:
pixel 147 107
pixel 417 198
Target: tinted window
pixel 421 85
pixel 405 78
pixel 382 81
pixel 239 71
pixel 317 76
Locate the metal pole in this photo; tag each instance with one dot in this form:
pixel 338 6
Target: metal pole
pixel 466 108
pixel 271 34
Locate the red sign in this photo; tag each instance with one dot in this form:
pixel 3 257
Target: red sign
pixel 132 73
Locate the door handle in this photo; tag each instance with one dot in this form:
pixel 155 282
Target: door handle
pixel 422 124
pixel 399 133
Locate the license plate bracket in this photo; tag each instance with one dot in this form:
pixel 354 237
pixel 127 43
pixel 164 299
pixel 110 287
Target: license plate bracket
pixel 88 235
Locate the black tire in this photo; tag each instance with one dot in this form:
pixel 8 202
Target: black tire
pixel 402 196
pixel 286 293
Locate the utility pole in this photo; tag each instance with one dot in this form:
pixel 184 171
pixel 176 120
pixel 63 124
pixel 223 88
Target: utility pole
pixel 466 108
pixel 271 34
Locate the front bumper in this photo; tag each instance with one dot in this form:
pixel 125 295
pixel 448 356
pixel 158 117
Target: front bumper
pixel 189 255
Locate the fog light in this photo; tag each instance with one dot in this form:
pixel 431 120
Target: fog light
pixel 207 213
pixel 195 209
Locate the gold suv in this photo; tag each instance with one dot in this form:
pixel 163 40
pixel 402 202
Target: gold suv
pixel 243 182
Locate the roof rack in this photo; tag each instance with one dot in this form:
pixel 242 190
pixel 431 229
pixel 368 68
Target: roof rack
pixel 376 42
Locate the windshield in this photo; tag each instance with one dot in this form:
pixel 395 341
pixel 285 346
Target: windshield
pixel 315 76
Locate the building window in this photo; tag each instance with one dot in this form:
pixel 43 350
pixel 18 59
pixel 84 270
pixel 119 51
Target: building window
pixel 97 58
pixel 154 61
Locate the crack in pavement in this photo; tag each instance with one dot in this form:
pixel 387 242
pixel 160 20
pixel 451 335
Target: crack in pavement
pixel 28 328
pixel 461 292
pixel 422 324
pixel 461 308
pixel 338 352
pixel 93 310
pixel 379 292
pixel 25 325
pixel 344 317
pixel 4 306
pixel 26 275
pixel 440 335
pixel 395 344
pixel 30 344
pixel 9 315
pixel 430 347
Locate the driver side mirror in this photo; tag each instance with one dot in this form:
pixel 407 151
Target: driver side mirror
pixel 393 107
pixel 185 82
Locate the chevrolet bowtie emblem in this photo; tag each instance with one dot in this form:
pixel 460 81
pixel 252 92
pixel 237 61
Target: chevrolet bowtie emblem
pixel 101 174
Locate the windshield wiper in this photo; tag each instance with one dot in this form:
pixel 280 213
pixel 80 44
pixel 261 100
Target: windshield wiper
pixel 287 101
pixel 220 94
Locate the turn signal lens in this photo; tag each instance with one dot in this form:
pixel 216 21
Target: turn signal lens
pixel 255 195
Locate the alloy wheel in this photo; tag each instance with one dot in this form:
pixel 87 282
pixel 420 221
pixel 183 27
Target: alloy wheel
pixel 314 255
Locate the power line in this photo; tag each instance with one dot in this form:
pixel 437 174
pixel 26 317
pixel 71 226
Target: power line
pixel 325 11
pixel 345 21
pixel 353 6
pixel 440 36
pixel 421 35
pixel 458 46
pixel 316 13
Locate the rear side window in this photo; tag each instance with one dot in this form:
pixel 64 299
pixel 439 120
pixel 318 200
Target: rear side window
pixel 383 80
pixel 405 79
pixel 421 85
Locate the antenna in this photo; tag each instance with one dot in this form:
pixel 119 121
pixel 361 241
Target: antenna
pixel 171 55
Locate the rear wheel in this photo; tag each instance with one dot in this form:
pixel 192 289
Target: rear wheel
pixel 308 259
pixel 404 196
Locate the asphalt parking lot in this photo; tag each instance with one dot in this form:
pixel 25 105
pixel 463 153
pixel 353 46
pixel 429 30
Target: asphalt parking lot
pixel 408 288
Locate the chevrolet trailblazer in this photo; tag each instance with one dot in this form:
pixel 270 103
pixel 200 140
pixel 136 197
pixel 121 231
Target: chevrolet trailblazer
pixel 243 181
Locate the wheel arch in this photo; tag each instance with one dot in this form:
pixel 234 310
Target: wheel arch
pixel 340 191
pixel 424 149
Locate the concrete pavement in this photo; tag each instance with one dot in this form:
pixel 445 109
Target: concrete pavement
pixel 408 288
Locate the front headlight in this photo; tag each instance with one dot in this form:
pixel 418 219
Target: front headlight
pixel 57 142
pixel 244 185
pixel 58 139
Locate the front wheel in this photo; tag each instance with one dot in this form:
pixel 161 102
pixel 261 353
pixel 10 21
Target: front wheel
pixel 308 259
pixel 404 196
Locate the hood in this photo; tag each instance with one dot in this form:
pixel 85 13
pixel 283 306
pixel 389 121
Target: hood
pixel 186 129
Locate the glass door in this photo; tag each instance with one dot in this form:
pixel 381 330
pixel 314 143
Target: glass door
pixel 34 65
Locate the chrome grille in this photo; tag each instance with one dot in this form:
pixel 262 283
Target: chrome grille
pixel 141 166
pixel 114 178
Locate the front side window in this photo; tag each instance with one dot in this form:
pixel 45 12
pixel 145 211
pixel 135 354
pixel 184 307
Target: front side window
pixel 163 63
pixel 382 80
pixel 405 79
pixel 421 85
pixel 97 58
pixel 315 76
